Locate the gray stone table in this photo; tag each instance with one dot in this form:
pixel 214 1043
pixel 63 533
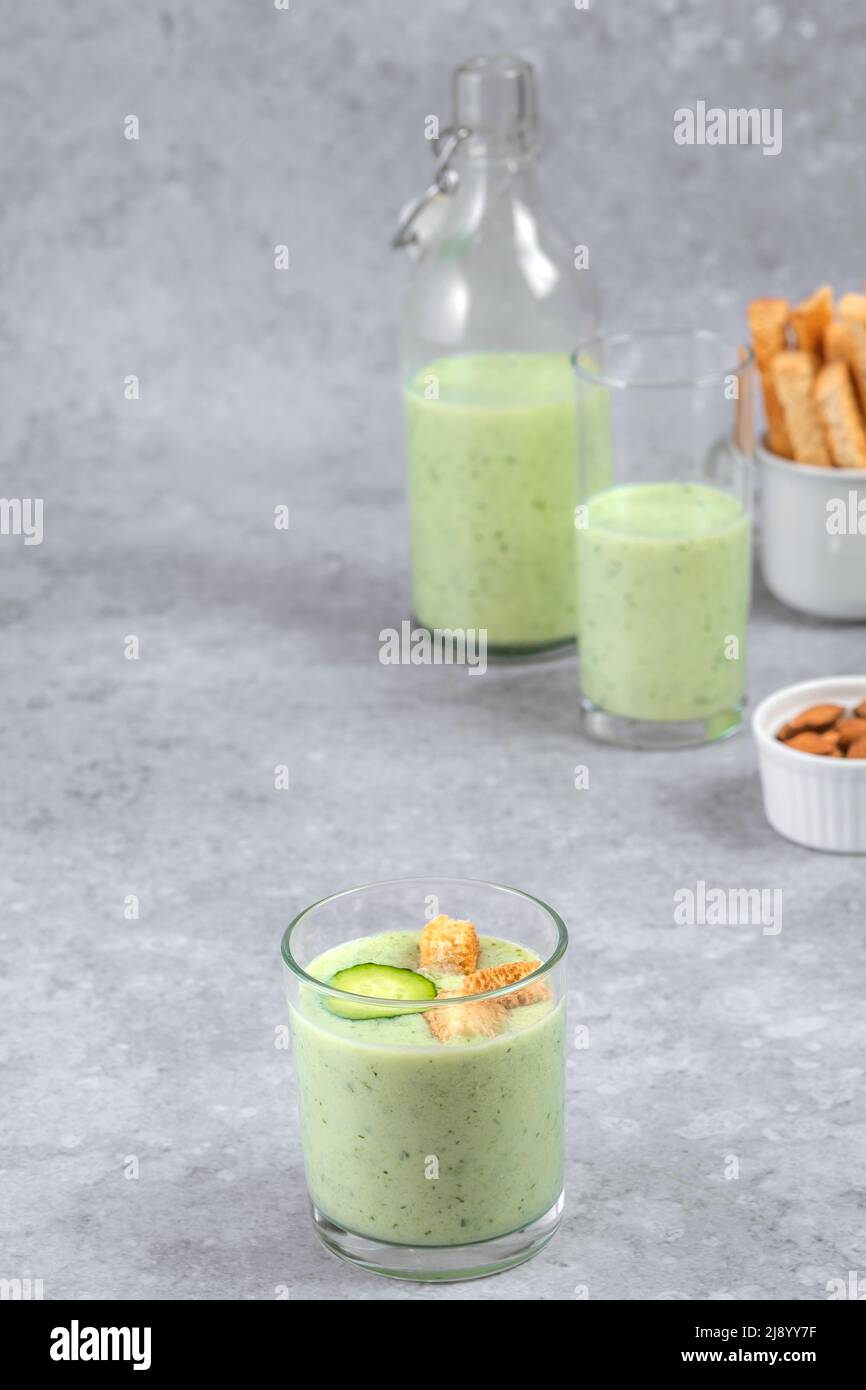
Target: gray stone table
pixel 153 1039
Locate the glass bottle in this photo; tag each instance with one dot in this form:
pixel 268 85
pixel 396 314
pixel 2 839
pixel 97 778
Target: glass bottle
pixel 497 301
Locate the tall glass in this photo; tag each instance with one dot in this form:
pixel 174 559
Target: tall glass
pixel 663 536
pixel 430 1152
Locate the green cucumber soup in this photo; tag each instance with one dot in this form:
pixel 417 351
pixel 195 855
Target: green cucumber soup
pixel 491 449
pixel 419 1142
pixel 664 587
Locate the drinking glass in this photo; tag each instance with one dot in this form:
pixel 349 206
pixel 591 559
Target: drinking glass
pixel 426 1159
pixel 663 525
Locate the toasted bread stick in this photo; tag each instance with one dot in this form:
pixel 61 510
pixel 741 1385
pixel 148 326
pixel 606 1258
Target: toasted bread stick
pixel 449 945
pixel 767 322
pixel 853 306
pixel 845 341
pixel 810 317
pixel 838 408
pixel 793 376
pixel 836 342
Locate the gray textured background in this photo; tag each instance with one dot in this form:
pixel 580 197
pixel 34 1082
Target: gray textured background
pixel 156 1038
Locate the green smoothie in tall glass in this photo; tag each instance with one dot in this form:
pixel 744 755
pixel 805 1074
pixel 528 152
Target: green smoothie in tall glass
pixel 664 589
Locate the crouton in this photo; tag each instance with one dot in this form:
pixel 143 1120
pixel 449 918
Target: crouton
pixel 449 946
pixel 482 1020
pixel 508 974
pixel 533 994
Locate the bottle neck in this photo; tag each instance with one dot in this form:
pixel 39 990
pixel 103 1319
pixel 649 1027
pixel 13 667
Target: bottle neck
pixel 494 98
pixel 488 185
pixel 477 154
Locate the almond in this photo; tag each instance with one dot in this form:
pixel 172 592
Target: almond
pixel 810 742
pixel 849 730
pixel 817 717
pixel 858 749
pixel 860 711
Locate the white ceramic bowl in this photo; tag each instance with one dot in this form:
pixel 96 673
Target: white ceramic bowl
pixel 819 802
pixel 805 564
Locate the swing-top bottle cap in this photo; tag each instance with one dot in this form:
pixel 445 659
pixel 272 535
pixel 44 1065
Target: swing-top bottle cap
pixel 495 100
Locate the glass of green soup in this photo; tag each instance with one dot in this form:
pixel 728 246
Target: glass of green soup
pixel 428 1023
pixel 664 536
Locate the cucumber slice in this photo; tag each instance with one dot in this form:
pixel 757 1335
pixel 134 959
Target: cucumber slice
pixel 380 982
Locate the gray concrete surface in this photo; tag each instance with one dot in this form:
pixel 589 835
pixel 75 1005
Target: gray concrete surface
pixel 154 1038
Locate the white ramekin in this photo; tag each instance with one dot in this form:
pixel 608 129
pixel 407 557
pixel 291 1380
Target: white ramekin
pixel 819 802
pixel 804 565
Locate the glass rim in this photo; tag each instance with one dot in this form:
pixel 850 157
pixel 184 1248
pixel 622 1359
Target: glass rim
pixel 546 965
pixel 710 378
